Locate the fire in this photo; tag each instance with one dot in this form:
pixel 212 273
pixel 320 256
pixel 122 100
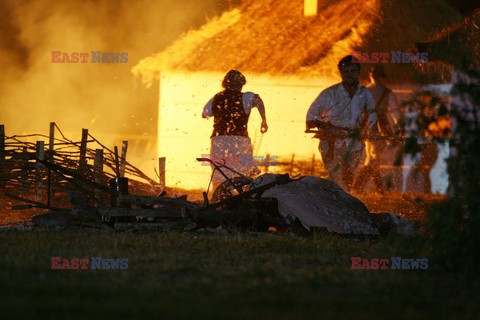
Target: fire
pixel 103 98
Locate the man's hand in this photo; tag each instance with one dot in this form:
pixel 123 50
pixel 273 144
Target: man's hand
pixel 264 127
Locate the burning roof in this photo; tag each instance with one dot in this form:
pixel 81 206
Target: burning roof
pixel 274 37
pixel 457 45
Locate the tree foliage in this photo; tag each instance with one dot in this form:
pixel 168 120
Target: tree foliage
pixel 453 226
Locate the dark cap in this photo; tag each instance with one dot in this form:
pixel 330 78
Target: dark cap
pixel 347 61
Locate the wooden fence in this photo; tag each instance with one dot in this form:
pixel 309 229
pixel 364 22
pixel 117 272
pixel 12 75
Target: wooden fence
pixel 47 171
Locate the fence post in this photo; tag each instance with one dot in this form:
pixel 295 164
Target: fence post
pixel 39 155
pixel 51 142
pixel 161 171
pixel 123 158
pixel 83 149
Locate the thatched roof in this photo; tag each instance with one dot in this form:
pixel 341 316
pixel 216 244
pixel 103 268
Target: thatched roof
pixel 273 36
pixel 457 45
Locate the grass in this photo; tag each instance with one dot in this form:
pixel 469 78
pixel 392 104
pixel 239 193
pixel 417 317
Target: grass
pixel 205 276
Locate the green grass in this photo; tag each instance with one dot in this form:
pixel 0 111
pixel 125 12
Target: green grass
pixel 202 276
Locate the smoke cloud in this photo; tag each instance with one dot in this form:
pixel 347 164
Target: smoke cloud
pixel 105 98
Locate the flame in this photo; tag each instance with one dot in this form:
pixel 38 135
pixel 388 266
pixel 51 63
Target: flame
pixel 103 98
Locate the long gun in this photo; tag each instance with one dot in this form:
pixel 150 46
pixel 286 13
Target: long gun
pixel 352 134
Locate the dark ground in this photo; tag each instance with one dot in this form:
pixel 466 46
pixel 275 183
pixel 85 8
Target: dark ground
pixel 227 276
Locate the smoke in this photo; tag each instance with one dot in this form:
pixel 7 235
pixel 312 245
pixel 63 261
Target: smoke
pixel 105 98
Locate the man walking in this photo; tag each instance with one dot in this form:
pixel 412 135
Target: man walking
pixel 338 112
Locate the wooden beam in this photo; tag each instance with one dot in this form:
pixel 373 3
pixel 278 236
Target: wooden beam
pixel 161 171
pixel 123 158
pixel 40 169
pixel 51 138
pixel 40 151
pixel 51 146
pixel 83 148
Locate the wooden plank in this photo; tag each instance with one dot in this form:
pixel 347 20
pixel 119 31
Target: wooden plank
pixel 51 137
pixel 117 164
pixel 149 200
pixel 40 150
pixel 83 148
pixel 123 158
pixel 161 171
pixel 51 147
pixel 39 169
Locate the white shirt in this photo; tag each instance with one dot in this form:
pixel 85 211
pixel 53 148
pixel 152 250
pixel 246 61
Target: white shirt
pixel 334 105
pixel 250 100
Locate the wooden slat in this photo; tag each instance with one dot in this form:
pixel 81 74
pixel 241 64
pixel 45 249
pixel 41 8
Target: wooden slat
pixel 161 171
pixel 83 148
pixel 123 158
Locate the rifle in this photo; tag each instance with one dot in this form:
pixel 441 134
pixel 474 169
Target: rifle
pixel 341 133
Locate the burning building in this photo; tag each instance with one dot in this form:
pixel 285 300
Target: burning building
pixel 288 51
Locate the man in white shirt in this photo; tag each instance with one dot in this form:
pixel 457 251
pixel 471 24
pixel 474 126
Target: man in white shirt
pixel 338 111
pixel 231 110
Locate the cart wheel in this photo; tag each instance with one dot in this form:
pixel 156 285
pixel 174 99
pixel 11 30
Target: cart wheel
pixel 226 190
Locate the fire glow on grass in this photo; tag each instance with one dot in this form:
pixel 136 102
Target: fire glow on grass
pixel 183 135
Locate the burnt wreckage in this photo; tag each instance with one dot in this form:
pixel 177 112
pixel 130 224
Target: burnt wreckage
pixel 92 198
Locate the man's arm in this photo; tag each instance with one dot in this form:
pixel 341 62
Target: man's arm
pixel 258 103
pixel 317 110
pixel 207 110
